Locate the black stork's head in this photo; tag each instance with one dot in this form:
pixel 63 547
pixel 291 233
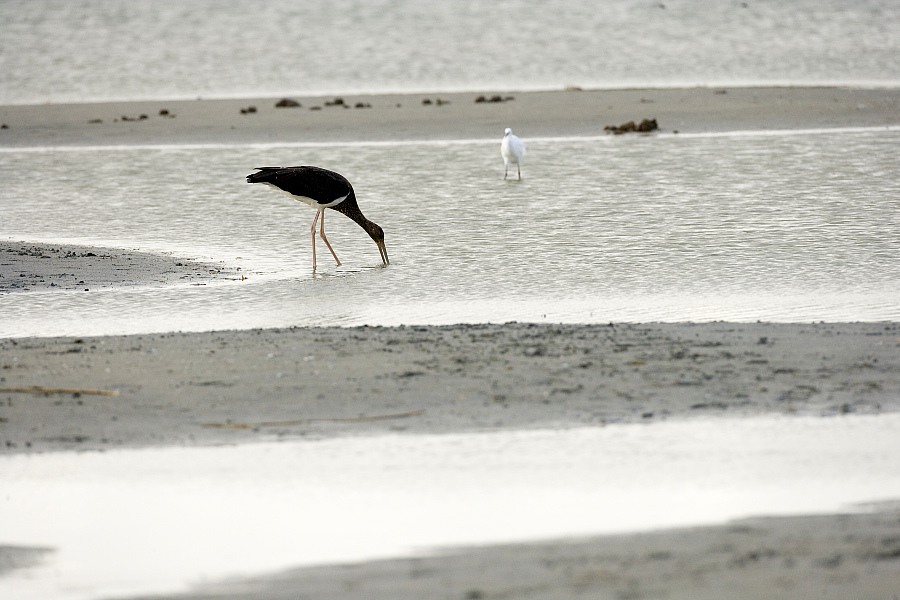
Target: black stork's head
pixel 377 234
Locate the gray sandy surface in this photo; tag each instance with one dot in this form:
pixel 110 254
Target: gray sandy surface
pixel 240 386
pixel 850 556
pixel 28 267
pixel 530 114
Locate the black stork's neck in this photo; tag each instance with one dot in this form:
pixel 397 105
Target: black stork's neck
pixel 350 208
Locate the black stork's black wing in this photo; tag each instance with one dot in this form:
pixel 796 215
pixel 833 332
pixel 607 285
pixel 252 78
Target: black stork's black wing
pixel 321 185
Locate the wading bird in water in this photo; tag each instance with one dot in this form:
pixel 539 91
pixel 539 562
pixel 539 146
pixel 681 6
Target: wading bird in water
pixel 320 189
pixel 512 149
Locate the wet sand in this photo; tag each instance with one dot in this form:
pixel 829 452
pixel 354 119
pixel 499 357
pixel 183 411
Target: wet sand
pixel 242 386
pixel 458 116
pixel 848 556
pixel 26 267
pixel 90 394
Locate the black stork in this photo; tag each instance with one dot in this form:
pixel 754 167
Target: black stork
pixel 321 189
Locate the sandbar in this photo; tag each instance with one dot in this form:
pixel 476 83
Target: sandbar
pixel 26 267
pixel 445 117
pixel 847 556
pixel 98 393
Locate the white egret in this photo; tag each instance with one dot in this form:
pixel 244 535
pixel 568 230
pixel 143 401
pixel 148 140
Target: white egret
pixel 512 149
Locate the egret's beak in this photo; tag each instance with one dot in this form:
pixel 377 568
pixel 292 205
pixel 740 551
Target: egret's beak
pixel 383 251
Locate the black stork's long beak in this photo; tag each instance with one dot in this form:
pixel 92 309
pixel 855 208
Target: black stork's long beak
pixel 383 251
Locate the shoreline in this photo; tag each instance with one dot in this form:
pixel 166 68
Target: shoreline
pixel 233 387
pixel 848 555
pixel 30 267
pixel 455 115
pixel 865 84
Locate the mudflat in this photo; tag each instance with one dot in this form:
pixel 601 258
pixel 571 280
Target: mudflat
pixel 26 267
pixel 829 556
pixel 239 386
pixel 445 116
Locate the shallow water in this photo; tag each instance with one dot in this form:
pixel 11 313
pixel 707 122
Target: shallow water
pixel 83 50
pixel 209 513
pixel 790 226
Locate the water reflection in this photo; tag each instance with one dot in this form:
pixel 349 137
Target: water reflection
pixel 799 226
pixel 210 513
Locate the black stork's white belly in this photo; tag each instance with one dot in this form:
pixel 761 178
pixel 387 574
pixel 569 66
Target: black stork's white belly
pixel 319 204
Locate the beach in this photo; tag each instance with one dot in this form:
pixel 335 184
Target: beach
pixel 843 556
pixel 450 116
pixel 244 386
pixel 234 387
pixel 100 393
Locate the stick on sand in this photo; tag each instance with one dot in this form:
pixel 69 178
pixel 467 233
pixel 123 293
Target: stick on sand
pixel 404 415
pixel 36 389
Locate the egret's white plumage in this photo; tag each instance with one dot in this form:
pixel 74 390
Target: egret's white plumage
pixel 512 149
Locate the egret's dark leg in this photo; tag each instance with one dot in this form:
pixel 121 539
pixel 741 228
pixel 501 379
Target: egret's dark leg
pixel 506 171
pixel 325 239
pixel 519 169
